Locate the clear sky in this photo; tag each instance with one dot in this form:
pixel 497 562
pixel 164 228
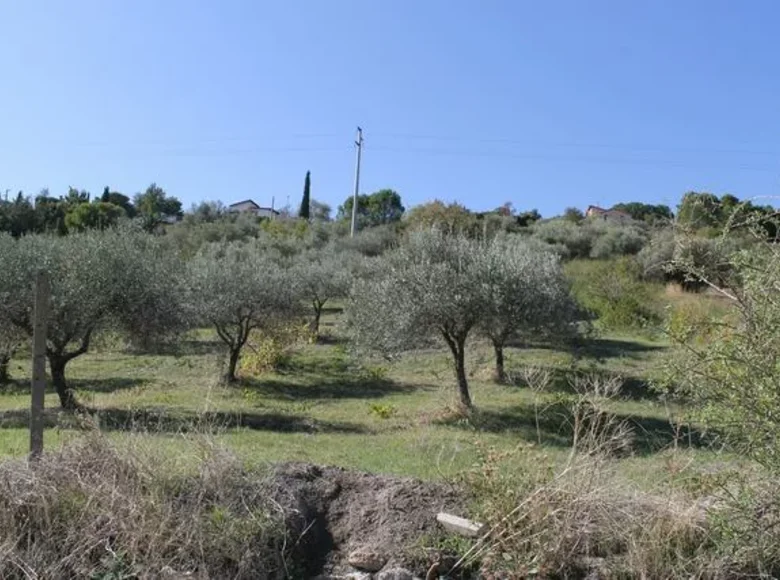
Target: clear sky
pixel 546 104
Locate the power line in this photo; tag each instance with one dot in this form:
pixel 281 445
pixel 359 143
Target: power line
pixel 566 158
pixel 565 144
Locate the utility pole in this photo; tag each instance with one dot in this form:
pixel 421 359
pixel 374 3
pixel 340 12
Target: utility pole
pixel 359 144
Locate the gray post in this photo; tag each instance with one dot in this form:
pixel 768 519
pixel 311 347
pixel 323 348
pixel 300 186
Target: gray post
pixel 359 144
pixel 40 318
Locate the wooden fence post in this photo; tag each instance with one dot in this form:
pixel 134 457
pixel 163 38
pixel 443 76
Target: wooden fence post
pixel 40 319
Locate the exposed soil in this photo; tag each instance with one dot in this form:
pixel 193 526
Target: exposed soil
pixel 333 511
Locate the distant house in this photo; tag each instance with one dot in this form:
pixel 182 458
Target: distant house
pixel 249 206
pixel 614 215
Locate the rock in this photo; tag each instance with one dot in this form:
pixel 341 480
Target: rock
pixel 395 574
pixel 460 526
pixel 366 559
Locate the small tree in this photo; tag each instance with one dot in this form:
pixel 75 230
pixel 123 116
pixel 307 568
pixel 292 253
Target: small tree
pixel 155 206
pixel 527 295
pixel 727 364
pixel 306 201
pixel 320 211
pixel 322 275
pixel 431 287
pixel 236 288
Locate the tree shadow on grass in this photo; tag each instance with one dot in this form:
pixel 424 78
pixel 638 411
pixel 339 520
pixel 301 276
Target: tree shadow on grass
pixel 328 388
pixel 599 349
pixel 556 427
pixel 632 387
pixel 166 421
pixel 109 385
pixel 185 347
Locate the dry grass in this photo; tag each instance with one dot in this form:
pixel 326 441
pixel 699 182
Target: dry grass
pixel 585 518
pixel 91 511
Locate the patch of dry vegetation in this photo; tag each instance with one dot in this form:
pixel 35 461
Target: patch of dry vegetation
pixel 91 511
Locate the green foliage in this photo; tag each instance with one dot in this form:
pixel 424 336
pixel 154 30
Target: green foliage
pixel 381 207
pixel 92 216
pixel 451 219
pixel 383 411
pixel 370 242
pixel 155 206
pixel 728 365
pixel 613 291
pixel 237 288
pixel 573 215
pixel 270 349
pixel 119 200
pixel 711 216
pixel 596 239
pixel 644 212
pixel 322 276
pixel 97 283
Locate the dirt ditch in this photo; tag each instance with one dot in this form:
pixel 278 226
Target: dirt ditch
pixel 338 516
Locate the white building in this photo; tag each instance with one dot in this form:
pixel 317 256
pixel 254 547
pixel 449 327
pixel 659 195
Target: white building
pixel 249 206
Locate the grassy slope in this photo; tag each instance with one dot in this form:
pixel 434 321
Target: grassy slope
pixel 320 408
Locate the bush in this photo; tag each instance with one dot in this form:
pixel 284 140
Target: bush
pixel 269 350
pixel 728 366
pixel 613 292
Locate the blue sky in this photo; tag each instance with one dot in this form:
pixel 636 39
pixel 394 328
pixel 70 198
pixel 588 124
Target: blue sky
pixel 544 104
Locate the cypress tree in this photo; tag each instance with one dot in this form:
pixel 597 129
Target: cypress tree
pixel 306 201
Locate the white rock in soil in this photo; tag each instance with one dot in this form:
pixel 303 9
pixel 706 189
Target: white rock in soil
pixel 395 574
pixel 365 559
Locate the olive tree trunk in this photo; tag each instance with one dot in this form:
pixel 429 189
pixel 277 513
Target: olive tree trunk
pixel 499 374
pixel 457 345
pixel 315 323
pixel 5 358
pixel 57 365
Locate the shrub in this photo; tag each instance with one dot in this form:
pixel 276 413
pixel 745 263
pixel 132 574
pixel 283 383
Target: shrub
pixel 613 292
pixel 270 349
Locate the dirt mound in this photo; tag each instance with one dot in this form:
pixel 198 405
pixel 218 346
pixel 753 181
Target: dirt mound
pixel 334 512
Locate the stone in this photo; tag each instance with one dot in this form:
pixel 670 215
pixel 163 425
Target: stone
pixel 395 574
pixel 367 560
pixel 460 526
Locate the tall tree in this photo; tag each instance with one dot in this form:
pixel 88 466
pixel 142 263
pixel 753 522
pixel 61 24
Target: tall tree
pixel 118 199
pixel 381 207
pixel 306 201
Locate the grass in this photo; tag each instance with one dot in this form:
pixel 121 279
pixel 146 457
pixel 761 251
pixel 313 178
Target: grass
pixel 322 407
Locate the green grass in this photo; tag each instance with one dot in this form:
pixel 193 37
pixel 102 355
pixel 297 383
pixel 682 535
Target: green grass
pixel 319 409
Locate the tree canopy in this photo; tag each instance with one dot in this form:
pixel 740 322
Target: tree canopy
pixel 381 207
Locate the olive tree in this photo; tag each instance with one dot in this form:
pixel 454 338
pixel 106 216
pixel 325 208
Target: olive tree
pixel 526 296
pixel 236 288
pixel 321 275
pixel 727 361
pixel 96 279
pixel 430 288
